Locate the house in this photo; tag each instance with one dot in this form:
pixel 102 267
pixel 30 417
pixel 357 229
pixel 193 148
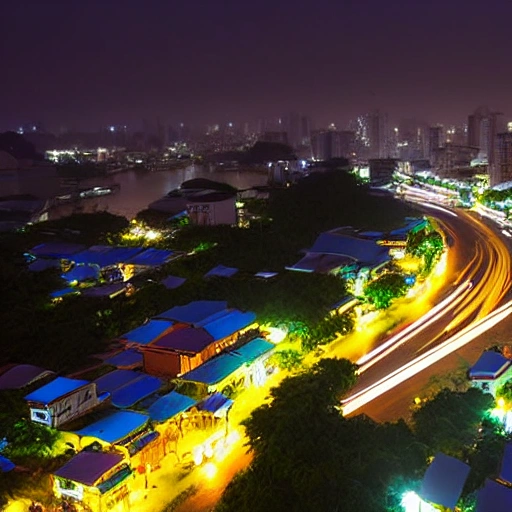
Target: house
pixel 241 367
pixel 178 352
pixel 339 249
pixel 129 432
pixel 63 400
pixel 490 372
pixel 127 387
pixel 97 480
pixel 443 481
pixel 182 350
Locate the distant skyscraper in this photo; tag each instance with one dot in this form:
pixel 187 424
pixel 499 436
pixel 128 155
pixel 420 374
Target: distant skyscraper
pixel 483 128
pixel 435 139
pixel 331 143
pixel 378 134
pixel 502 171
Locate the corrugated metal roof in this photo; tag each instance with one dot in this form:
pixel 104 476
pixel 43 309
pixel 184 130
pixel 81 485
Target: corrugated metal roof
pixel 148 332
pixel 220 367
pixel 494 497
pixel 54 390
pixel 112 381
pixel 221 271
pixel 194 312
pixel 151 258
pixel 170 405
pixel 134 391
pixel 489 365
pixel 115 427
pixel 443 481
pixel 230 323
pixel 190 339
pixel 126 359
pixel 88 467
pixel 171 282
pixel 363 251
pixel 57 250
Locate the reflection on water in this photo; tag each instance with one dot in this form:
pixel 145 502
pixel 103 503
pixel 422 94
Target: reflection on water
pixel 137 188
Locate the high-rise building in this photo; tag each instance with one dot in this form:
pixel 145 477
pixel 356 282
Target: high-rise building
pixel 332 143
pixel 435 139
pixel 502 171
pixel 378 134
pixel 483 128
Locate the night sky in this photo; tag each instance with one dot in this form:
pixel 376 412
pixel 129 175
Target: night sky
pixel 87 63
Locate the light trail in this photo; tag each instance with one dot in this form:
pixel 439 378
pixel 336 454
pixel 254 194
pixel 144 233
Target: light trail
pixel 424 361
pixel 440 208
pixel 394 342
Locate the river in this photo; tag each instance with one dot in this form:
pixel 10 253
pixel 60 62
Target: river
pixel 137 189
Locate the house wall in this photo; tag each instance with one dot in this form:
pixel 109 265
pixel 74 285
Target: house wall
pixel 492 385
pixel 167 363
pixel 66 408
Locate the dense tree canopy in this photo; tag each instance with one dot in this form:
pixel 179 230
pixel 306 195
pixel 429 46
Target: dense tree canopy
pixel 307 457
pixel 449 422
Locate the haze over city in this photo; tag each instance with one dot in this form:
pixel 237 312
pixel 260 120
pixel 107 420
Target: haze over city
pixel 255 256
pixel 86 64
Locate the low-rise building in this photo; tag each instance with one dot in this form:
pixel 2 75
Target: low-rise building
pixel 242 367
pixel 62 401
pixel 490 372
pixel 98 480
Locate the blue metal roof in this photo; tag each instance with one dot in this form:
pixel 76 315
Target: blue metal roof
pixel 151 258
pixel 169 405
pixel 443 481
pixel 358 249
pixel 57 250
pixel 82 273
pixel 88 467
pixel 230 323
pixel 126 359
pixel 112 381
pixel 105 256
pixel 56 389
pixel 134 391
pixel 215 403
pixel 489 365
pixel 6 465
pixel 506 464
pixel 115 427
pixel 254 349
pixel 148 332
pixel 171 282
pixel 494 497
pixel 218 368
pixel 221 271
pixel 194 312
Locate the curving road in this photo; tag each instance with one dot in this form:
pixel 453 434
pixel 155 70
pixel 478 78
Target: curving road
pixel 478 274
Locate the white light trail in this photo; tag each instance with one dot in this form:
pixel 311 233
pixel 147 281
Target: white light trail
pixel 422 362
pixel 433 315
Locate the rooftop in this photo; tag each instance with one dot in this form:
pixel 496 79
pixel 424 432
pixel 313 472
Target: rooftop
pixel 56 389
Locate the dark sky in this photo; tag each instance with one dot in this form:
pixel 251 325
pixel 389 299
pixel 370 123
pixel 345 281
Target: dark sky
pixel 86 63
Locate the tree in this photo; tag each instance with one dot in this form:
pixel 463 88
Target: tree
pixel 307 457
pixel 505 392
pixel 449 422
pixel 381 291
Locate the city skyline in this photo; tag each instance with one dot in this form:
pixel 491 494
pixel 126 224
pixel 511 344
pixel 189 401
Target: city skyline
pixel 86 65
